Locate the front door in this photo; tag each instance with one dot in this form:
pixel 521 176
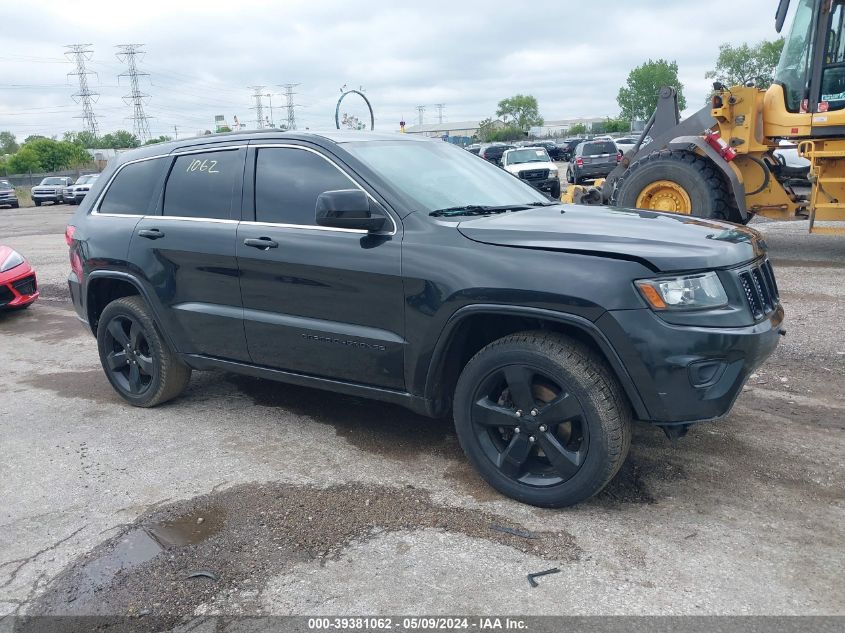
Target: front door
pixel 187 253
pixel 318 301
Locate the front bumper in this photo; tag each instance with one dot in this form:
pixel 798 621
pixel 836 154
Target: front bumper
pixel 75 196
pixel 46 197
pixel 547 184
pixel 18 287
pixel 688 374
pixel 8 200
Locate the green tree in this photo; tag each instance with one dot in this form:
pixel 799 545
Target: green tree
pixel 638 97
pixel 24 161
pixel 8 143
pixel 522 110
pixel 507 133
pixel 32 137
pixel 119 139
pixel 84 139
pixel 578 128
pixel 616 125
pixel 485 130
pixel 4 166
pixel 738 65
pixel 160 139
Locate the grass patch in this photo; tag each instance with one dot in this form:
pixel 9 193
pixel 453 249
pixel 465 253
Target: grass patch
pixel 24 196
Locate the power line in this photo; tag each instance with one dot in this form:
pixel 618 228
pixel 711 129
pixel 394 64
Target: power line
pixel 140 121
pixel 290 104
pixel 79 54
pixel 257 94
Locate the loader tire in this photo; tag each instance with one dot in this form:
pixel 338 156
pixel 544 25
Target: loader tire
pixel 678 182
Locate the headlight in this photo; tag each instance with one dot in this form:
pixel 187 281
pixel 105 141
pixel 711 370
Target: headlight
pixel 690 292
pixel 14 259
pixel 553 171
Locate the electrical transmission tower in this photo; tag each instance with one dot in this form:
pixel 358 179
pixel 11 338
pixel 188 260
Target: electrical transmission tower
pixel 440 107
pixel 129 54
pixel 290 104
pixel 258 94
pixel 421 112
pixel 79 54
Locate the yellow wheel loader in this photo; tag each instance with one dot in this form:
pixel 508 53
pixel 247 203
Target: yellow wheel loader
pixel 720 162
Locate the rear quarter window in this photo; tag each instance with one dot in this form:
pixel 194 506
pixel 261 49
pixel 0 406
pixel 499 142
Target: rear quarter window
pixel 131 191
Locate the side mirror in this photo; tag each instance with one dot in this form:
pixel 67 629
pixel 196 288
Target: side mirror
pixel 347 209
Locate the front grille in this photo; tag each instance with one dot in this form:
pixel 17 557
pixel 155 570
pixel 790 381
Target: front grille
pixel 26 286
pixel 534 174
pixel 760 289
pixel 6 295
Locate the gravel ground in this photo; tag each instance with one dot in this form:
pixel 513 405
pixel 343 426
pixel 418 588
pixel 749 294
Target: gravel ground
pixel 294 501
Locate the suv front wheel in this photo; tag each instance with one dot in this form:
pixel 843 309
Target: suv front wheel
pixel 542 419
pixel 138 362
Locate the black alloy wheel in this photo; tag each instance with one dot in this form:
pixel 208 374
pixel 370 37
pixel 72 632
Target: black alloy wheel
pixel 129 359
pixel 529 426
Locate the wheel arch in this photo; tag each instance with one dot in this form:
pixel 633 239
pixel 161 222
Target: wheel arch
pixel 472 327
pixel 104 286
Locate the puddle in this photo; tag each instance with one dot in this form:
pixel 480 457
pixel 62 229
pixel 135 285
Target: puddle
pixel 250 533
pixel 90 384
pixel 375 427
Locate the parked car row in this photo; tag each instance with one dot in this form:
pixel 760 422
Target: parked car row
pixel 8 197
pixel 55 189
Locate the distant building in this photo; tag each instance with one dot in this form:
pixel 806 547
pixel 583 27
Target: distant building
pixel 561 127
pixel 102 156
pixel 459 132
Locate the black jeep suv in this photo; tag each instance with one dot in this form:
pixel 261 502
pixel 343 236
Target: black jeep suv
pixel 407 270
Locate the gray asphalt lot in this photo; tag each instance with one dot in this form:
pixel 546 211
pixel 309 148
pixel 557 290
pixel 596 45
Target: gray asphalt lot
pixel 303 502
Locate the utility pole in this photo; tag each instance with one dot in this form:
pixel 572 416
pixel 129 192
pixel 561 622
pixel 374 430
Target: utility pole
pixel 129 54
pixel 175 133
pixel 421 113
pixel 290 105
pixel 269 95
pixel 79 54
pixel 440 107
pixel 257 94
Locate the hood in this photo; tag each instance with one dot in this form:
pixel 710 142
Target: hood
pixel 663 242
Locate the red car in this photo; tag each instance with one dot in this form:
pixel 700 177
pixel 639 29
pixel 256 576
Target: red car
pixel 18 286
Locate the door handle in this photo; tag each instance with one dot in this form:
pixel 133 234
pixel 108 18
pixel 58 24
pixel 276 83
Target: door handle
pixel 151 234
pixel 262 242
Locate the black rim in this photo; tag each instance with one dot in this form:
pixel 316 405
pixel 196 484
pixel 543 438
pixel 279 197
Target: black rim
pixel 530 426
pixel 129 358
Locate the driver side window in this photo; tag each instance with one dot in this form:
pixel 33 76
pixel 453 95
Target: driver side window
pixel 833 75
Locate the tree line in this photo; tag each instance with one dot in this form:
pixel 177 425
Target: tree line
pixel 41 154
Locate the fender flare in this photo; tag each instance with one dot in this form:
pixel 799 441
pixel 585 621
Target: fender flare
pixel 737 187
pixel 142 291
pixel 584 325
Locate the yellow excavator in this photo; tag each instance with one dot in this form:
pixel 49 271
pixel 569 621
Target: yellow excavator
pixel 721 161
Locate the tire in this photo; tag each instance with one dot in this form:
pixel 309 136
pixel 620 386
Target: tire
pixel 555 192
pixel 709 193
pixel 155 374
pixel 16 205
pixel 579 414
pixel 37 203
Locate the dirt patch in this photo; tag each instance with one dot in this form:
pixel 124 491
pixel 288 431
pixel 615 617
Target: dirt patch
pixel 40 324
pixel 375 427
pixel 90 384
pixel 258 531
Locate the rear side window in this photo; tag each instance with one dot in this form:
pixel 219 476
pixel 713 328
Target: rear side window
pixel 603 147
pixel 203 185
pixel 288 181
pixel 133 187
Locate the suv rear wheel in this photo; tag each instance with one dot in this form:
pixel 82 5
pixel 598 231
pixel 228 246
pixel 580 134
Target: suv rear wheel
pixel 138 362
pixel 542 419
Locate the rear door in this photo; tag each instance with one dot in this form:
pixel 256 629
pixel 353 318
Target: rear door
pixel 186 250
pixel 317 300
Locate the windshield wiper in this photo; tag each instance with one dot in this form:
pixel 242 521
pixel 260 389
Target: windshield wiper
pixel 550 203
pixel 478 209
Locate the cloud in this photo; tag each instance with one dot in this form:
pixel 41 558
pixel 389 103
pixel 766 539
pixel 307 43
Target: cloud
pixel 201 56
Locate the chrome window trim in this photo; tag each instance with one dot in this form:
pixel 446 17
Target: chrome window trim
pixel 177 153
pixel 317 226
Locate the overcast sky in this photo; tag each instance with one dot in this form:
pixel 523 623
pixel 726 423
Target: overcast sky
pixel 573 55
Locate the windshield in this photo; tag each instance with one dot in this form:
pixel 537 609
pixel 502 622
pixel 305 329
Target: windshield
pixel 518 156
pixel 439 176
pixel 52 181
pixel 792 70
pixel 86 180
pixel 4 184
